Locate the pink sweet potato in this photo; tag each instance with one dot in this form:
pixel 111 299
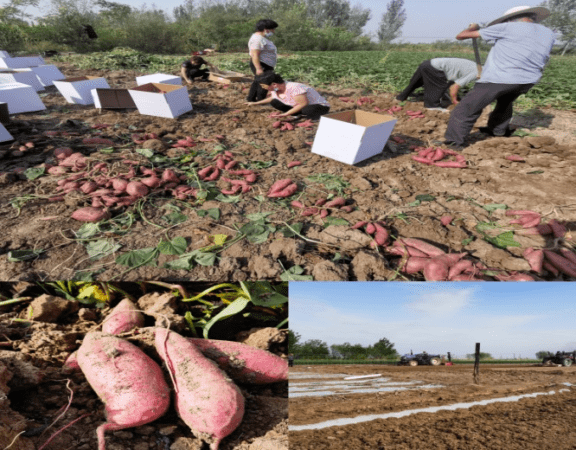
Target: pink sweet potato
pixel 359 224
pixel 415 265
pixel 243 363
pixel 206 399
pixel 564 265
pixel 535 258
pixel 90 214
pixel 436 269
pixel 71 363
pixel 130 383
pixel 279 185
pixel 445 220
pixel 336 203
pixel 294 164
pixel 137 189
pixel 429 249
pixel 283 193
pixel 558 229
pixel 122 318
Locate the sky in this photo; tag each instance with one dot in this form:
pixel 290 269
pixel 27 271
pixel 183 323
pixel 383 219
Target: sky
pixel 426 20
pixel 508 319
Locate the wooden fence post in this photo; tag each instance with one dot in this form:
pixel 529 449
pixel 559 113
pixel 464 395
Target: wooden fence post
pixel 477 364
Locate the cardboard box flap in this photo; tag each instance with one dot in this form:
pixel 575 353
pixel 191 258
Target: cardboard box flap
pixel 74 79
pixel 115 98
pixel 362 118
pixel 157 87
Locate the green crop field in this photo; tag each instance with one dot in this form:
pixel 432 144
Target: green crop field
pixel 322 362
pixel 372 71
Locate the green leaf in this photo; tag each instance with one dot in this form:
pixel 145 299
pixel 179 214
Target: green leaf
pixel 416 203
pixel 232 309
pixel 101 248
pixel 275 299
pixel 190 320
pixel 204 259
pixel 494 206
pixel 23 255
pixel 258 216
pixel 34 172
pixel 214 213
pixel 260 198
pixel 137 258
pixel 482 227
pixel 228 198
pixel 467 241
pixel 425 198
pixel 255 233
pixel 337 257
pixel 182 263
pixel 174 218
pixel 292 230
pixel 148 153
pixel 503 240
pixel 106 151
pixel 87 231
pixel 535 172
pixel 294 273
pixel 335 221
pixel 262 164
pixel 176 246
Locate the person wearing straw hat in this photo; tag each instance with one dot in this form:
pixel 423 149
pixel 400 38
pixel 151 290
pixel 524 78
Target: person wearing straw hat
pixel 514 65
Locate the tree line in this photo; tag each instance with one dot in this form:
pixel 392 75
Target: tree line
pixel 224 25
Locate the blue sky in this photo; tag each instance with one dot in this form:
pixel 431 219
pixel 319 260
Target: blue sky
pixel 508 319
pixel 427 20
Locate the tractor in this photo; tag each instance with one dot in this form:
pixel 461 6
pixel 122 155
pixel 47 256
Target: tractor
pixel 565 359
pixel 420 359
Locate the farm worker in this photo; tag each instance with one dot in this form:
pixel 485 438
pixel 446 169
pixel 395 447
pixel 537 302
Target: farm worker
pixel 192 69
pixel 290 360
pixel 291 99
pixel 521 50
pixel 439 75
pixel 262 56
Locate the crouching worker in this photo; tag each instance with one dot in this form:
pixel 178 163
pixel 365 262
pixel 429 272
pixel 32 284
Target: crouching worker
pixel 192 69
pixel 291 99
pixel 441 78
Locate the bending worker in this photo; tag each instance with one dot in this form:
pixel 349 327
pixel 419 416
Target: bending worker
pixel 521 50
pixel 441 78
pixel 291 99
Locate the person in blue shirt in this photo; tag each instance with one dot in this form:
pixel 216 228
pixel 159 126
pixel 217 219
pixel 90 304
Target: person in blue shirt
pixel 514 65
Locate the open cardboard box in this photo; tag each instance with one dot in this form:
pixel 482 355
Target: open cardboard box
pixel 159 78
pixel 25 76
pixel 78 89
pixel 21 62
pixel 4 114
pixel 352 136
pixel 21 98
pixel 227 77
pixel 4 54
pixel 161 100
pixel 47 74
pixel 5 134
pixel 112 99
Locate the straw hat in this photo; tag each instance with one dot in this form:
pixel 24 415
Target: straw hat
pixel 541 13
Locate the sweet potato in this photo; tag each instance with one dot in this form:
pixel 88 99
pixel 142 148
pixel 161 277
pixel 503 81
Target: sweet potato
pixel 437 269
pixel 230 165
pixel 169 176
pixel 359 224
pixel 130 383
pixel 296 204
pixel 286 192
pixel 564 265
pixel 90 214
pixel 137 189
pixel 122 318
pixel 370 228
pixel 415 265
pixel 458 268
pixel 206 399
pixel 119 184
pixel 310 211
pixel 535 258
pixel 294 164
pixel 429 249
pixel 280 184
pixel 445 220
pixel 452 164
pixel 558 229
pixel 335 203
pixel 243 363
pixel 151 182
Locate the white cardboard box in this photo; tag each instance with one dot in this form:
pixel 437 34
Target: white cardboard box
pixel 78 90
pixel 352 136
pixel 4 54
pixel 20 98
pixel 159 78
pixel 25 76
pixel 161 100
pixel 112 99
pixel 47 74
pixel 21 62
pixel 4 134
pixel 227 77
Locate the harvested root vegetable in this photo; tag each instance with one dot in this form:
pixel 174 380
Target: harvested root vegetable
pixel 337 202
pixel 243 363
pixel 358 225
pixel 119 184
pixel 206 399
pixel 535 258
pixel 297 204
pixel 88 187
pixel 280 185
pixel 98 141
pixel 90 214
pixel 151 182
pixel 57 170
pixel 294 164
pixel 169 176
pixel 137 189
pixel 564 265
pixel 446 220
pixel 429 249
pixel 436 269
pixel 124 317
pixel 62 152
pixel 311 211
pixel 415 264
pixel 515 158
pixel 130 383
pixel 277 124
pixel 71 363
pixel 558 229
pixel 370 228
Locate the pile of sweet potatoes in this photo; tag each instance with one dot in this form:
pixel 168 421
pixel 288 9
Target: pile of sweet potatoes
pixel 134 390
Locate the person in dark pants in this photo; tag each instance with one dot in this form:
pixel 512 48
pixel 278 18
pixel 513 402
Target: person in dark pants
pixel 290 360
pixel 292 99
pixel 262 56
pixel 441 79
pixel 192 69
pixel 521 50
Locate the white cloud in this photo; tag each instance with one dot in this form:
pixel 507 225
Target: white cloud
pixel 442 304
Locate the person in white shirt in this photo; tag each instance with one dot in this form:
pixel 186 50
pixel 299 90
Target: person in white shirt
pixel 291 99
pixel 263 55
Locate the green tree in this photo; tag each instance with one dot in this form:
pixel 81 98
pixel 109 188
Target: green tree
pixel 293 339
pixel 384 349
pixel 314 349
pixel 14 11
pixel 542 354
pixel 392 22
pixel 482 355
pixel 562 19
